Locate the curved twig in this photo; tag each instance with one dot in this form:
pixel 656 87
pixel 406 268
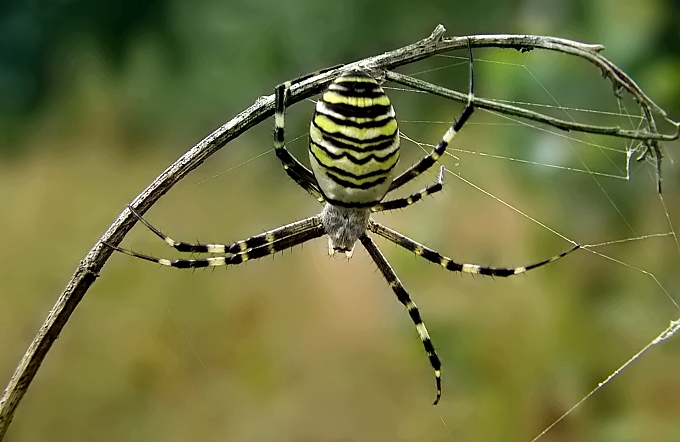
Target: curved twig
pixel 89 267
pixel 508 109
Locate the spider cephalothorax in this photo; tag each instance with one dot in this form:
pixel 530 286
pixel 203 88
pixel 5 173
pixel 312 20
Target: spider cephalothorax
pixel 344 226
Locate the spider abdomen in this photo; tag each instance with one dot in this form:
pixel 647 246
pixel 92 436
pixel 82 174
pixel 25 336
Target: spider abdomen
pixel 354 141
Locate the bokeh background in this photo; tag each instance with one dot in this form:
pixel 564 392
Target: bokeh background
pixel 97 98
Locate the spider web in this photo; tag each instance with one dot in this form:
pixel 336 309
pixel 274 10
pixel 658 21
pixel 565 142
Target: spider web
pixel 615 178
pixel 568 352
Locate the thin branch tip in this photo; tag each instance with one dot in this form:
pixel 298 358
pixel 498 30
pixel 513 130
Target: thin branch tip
pixel 438 32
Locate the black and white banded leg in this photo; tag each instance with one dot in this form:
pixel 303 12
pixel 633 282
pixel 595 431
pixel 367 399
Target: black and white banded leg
pixel 237 247
pixel 411 308
pixel 428 161
pixel 400 203
pixel 239 252
pixel 449 264
pixel 294 168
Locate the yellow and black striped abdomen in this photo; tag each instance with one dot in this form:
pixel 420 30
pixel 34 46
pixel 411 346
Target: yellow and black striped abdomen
pixel 354 141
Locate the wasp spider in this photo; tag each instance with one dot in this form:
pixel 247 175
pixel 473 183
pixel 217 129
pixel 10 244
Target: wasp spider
pixel 353 150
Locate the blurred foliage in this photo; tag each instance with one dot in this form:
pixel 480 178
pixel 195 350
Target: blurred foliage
pixel 39 38
pixel 174 65
pixel 96 98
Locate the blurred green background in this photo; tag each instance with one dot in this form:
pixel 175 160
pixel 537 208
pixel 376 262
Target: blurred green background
pixel 97 98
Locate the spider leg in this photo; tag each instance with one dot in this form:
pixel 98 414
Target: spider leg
pixel 449 264
pixel 405 299
pixel 428 161
pixel 400 203
pixel 239 246
pixel 294 168
pixel 255 247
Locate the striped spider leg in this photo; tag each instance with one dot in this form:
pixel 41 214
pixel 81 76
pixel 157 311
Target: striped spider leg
pixel 293 167
pixel 258 246
pixel 430 159
pixel 449 264
pixel 403 297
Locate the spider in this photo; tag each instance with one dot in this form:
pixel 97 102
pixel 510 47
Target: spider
pixel 353 150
